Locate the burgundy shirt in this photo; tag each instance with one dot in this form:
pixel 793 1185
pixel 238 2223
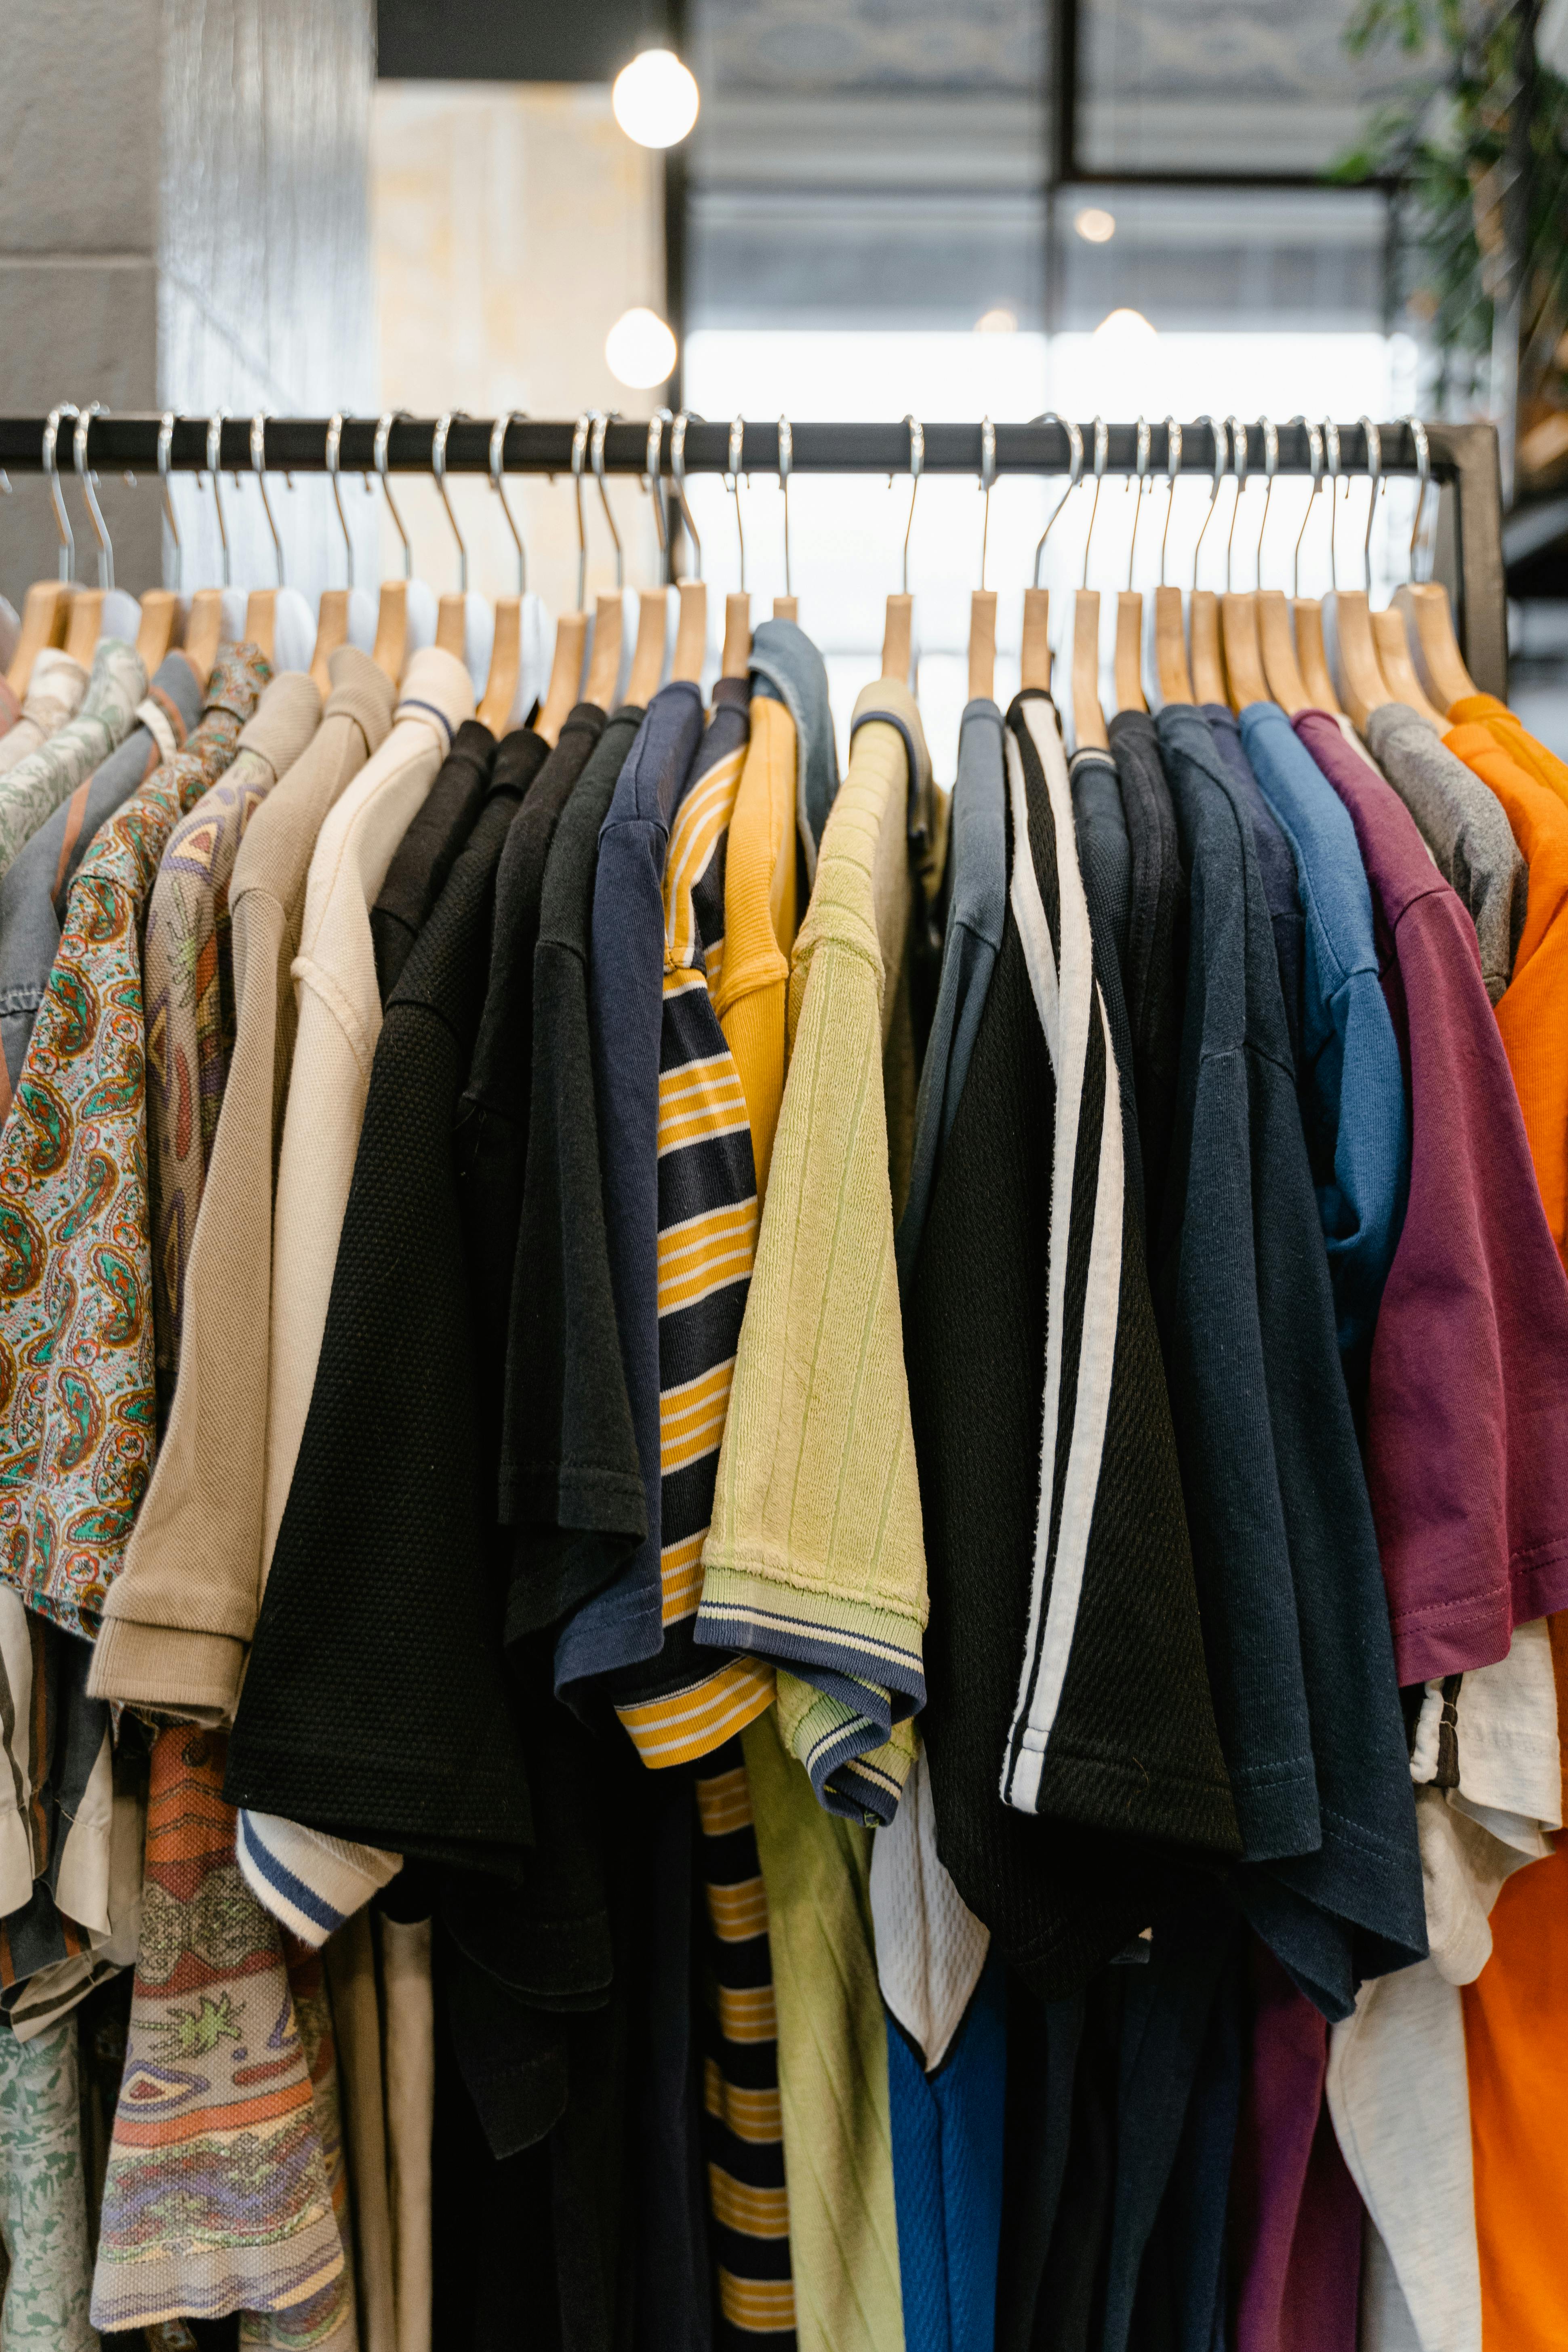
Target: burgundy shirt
pixel 1467 1428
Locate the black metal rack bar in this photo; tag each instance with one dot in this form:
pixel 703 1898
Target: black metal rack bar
pixel 1463 457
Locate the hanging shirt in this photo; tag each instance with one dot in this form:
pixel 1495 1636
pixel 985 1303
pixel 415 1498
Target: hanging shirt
pixel 1105 865
pixel 187 977
pixel 54 694
pixel 621 1626
pixel 977 899
pixel 1156 944
pixel 1282 1532
pixel 1466 1425
pixel 1275 864
pixel 424 856
pixel 750 991
pixel 785 664
pixel 180 1617
pixel 1533 756
pixel 1351 1089
pixel 32 789
pixel 815 1556
pixel 72 1176
pixel 375 1706
pixel 1531 1015
pixel 35 886
pixel 1465 827
pixel 570 1477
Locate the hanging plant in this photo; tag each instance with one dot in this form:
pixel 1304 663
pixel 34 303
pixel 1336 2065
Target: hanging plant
pixel 1447 146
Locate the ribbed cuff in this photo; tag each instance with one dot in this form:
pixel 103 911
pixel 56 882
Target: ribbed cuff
pixel 310 1883
pixel 171 1669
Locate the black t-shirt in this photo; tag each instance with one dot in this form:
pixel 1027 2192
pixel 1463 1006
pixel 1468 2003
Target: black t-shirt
pixel 1154 974
pixel 376 1704
pixel 423 857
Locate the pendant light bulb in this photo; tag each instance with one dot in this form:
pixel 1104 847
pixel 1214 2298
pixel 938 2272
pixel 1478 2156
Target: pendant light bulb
pixel 640 350
pixel 655 98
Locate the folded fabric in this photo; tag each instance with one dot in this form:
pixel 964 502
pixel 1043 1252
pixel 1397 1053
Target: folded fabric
pixel 930 1947
pixel 310 1883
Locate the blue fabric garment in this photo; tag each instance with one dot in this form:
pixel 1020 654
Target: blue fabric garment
pixel 622 1624
pixel 1352 1086
pixel 786 667
pixel 977 907
pixel 1276 865
pixel 948 2134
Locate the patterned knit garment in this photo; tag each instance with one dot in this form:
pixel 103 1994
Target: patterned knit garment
pixel 219 2194
pixel 43 2196
pixel 743 2126
pixel 77 1411
pixel 707 1238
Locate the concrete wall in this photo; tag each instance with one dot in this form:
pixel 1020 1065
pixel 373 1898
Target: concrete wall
pixel 184 222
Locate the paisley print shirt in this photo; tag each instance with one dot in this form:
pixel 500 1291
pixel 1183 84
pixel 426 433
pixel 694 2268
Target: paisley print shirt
pixel 35 788
pixel 76 1412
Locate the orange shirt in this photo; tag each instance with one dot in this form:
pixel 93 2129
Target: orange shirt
pixel 1532 1015
pixel 1514 736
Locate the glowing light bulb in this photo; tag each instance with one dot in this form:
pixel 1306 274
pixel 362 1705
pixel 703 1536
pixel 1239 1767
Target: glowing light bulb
pixel 640 350
pixel 655 98
pixel 1095 226
pixel 996 322
pixel 1128 328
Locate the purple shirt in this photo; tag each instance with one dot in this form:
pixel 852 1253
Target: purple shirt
pixel 1467 1428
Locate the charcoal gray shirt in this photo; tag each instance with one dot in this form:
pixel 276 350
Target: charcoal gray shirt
pixel 1464 826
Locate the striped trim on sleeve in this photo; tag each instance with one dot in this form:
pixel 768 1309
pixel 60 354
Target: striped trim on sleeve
pixel 689 1700
pixel 743 2123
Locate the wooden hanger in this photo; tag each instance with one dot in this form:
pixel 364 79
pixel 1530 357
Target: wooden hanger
pixel 506 665
pixel 159 611
pixel 390 652
pixel 332 631
pixel 571 637
pixel 605 659
pixel 1088 719
pixel 898 637
pixel 44 611
pixel 737 653
pixel 1244 668
pixel 1287 685
pixel 786 608
pixel 1128 655
pixel 983 644
pixel 1171 648
pixel 1362 686
pixel 1425 605
pixel 84 626
pixel 261 619
pixel 1308 615
pixel 648 654
pixel 1035 653
pixel 1398 670
pixel 204 631
pixel 690 633
pixel 451 624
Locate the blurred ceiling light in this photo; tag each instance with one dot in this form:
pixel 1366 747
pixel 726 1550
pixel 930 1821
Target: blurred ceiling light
pixel 1126 327
pixel 640 350
pixel 1097 227
pixel 996 322
pixel 655 98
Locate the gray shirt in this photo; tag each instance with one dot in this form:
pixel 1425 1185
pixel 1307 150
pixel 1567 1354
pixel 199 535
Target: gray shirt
pixel 977 862
pixel 37 885
pixel 1466 828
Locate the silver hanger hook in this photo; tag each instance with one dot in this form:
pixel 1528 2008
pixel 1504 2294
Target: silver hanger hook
pixel 215 451
pixel 1101 451
pixel 51 467
pixel 1221 461
pixel 677 468
pixel 652 471
pixel 258 467
pixel 1238 431
pixel 497 455
pixel 1074 476
pixel 89 481
pixel 786 466
pixel 917 467
pixel 438 467
pixel 1374 476
pixel 737 451
pixel 165 450
pixel 579 451
pixel 602 421
pixel 1315 453
pixel 1271 468
pixel 1173 468
pixel 1141 486
pixel 1423 476
pixel 987 477
pixel 1330 433
pixel 382 436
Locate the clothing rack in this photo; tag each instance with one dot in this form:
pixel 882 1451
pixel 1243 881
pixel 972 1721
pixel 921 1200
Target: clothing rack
pixel 1463 462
